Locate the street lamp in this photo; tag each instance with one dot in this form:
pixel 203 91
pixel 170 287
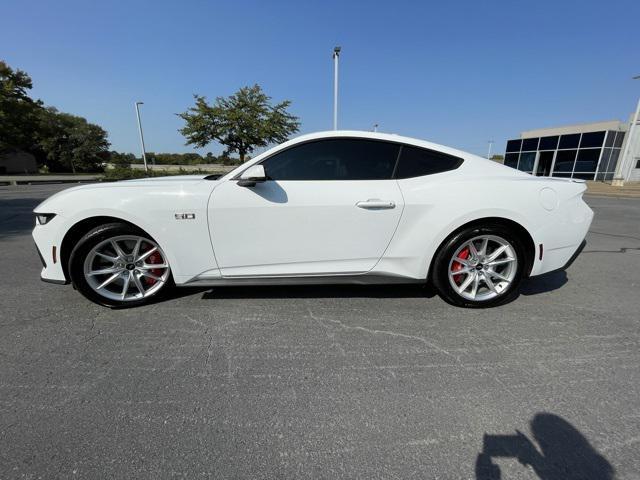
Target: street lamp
pixel 336 56
pixel 630 138
pixel 375 127
pixel 489 151
pixel 144 155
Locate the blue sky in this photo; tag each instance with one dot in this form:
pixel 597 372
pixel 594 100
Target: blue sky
pixel 458 73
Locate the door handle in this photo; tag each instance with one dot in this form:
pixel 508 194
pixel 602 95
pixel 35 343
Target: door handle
pixel 375 204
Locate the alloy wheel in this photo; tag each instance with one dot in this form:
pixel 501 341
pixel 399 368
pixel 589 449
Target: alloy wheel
pixel 126 268
pixel 483 268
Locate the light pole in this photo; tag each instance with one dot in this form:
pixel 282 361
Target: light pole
pixel 630 139
pixel 336 56
pixel 375 127
pixel 144 155
pixel 489 152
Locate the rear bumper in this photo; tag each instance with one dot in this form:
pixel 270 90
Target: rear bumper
pixel 575 255
pixel 563 239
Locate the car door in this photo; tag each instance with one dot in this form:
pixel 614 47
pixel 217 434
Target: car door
pixel 328 207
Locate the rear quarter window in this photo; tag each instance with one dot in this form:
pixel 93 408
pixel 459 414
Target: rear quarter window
pixel 418 162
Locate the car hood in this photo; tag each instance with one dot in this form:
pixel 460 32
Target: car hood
pixel 174 181
pixel 170 178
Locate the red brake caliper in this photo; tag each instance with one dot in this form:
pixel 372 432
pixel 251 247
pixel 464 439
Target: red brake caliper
pixel 457 266
pixel 154 258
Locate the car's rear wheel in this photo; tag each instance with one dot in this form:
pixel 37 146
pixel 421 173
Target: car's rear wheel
pixel 480 266
pixel 118 265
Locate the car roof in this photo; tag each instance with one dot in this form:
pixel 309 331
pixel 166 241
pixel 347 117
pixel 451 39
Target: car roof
pixel 388 137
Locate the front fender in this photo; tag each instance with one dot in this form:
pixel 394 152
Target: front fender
pixel 153 208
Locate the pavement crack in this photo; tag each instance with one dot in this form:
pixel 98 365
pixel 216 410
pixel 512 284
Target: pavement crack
pixel 88 339
pixel 620 250
pixel 92 328
pixel 390 333
pixel 206 361
pixel 617 235
pixel 196 322
pixel 330 335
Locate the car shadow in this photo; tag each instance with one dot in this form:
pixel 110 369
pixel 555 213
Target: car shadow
pixel 546 282
pixel 560 452
pixel 321 291
pixel 533 286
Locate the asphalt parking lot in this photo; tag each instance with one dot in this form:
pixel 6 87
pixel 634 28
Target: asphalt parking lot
pixel 324 382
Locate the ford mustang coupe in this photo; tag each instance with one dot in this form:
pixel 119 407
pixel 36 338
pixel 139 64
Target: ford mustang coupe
pixel 331 207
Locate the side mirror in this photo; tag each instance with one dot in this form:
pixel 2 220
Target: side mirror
pixel 252 175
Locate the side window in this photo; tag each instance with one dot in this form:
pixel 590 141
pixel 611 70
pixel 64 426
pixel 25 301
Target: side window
pixel 416 162
pixel 334 159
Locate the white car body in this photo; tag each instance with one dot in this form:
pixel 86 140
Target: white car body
pixel 217 232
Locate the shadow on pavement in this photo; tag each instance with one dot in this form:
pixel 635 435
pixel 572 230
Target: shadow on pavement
pixel 532 286
pixel 16 216
pixel 321 291
pixel 564 453
pixel 543 283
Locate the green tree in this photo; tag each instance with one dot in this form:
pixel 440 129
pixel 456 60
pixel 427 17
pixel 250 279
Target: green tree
pixel 241 122
pixel 71 142
pixel 18 112
pixel 174 158
pixel 60 141
pixel 122 159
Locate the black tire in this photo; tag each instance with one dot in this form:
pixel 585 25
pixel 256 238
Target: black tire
pixel 83 248
pixel 445 255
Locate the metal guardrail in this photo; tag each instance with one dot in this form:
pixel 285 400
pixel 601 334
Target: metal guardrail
pixel 43 179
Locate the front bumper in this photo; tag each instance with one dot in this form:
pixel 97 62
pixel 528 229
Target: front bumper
pixel 45 238
pixel 56 282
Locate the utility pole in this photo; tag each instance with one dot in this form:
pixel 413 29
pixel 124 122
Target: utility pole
pixel 336 56
pixel 144 155
pixel 630 139
pixel 489 151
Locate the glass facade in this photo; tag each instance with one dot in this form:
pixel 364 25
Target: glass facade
pixel 588 155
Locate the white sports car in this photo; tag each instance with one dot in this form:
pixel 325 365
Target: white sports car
pixel 332 207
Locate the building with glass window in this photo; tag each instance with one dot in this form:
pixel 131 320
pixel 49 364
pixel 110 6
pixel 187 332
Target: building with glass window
pixel 590 151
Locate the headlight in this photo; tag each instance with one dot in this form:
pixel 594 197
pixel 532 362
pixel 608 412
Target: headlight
pixel 44 218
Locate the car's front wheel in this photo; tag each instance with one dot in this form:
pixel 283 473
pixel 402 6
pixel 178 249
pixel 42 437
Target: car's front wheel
pixel 480 266
pixel 118 265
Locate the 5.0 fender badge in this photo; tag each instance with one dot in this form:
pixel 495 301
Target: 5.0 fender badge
pixel 185 216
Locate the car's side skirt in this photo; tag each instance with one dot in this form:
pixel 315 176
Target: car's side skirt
pixel 362 279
